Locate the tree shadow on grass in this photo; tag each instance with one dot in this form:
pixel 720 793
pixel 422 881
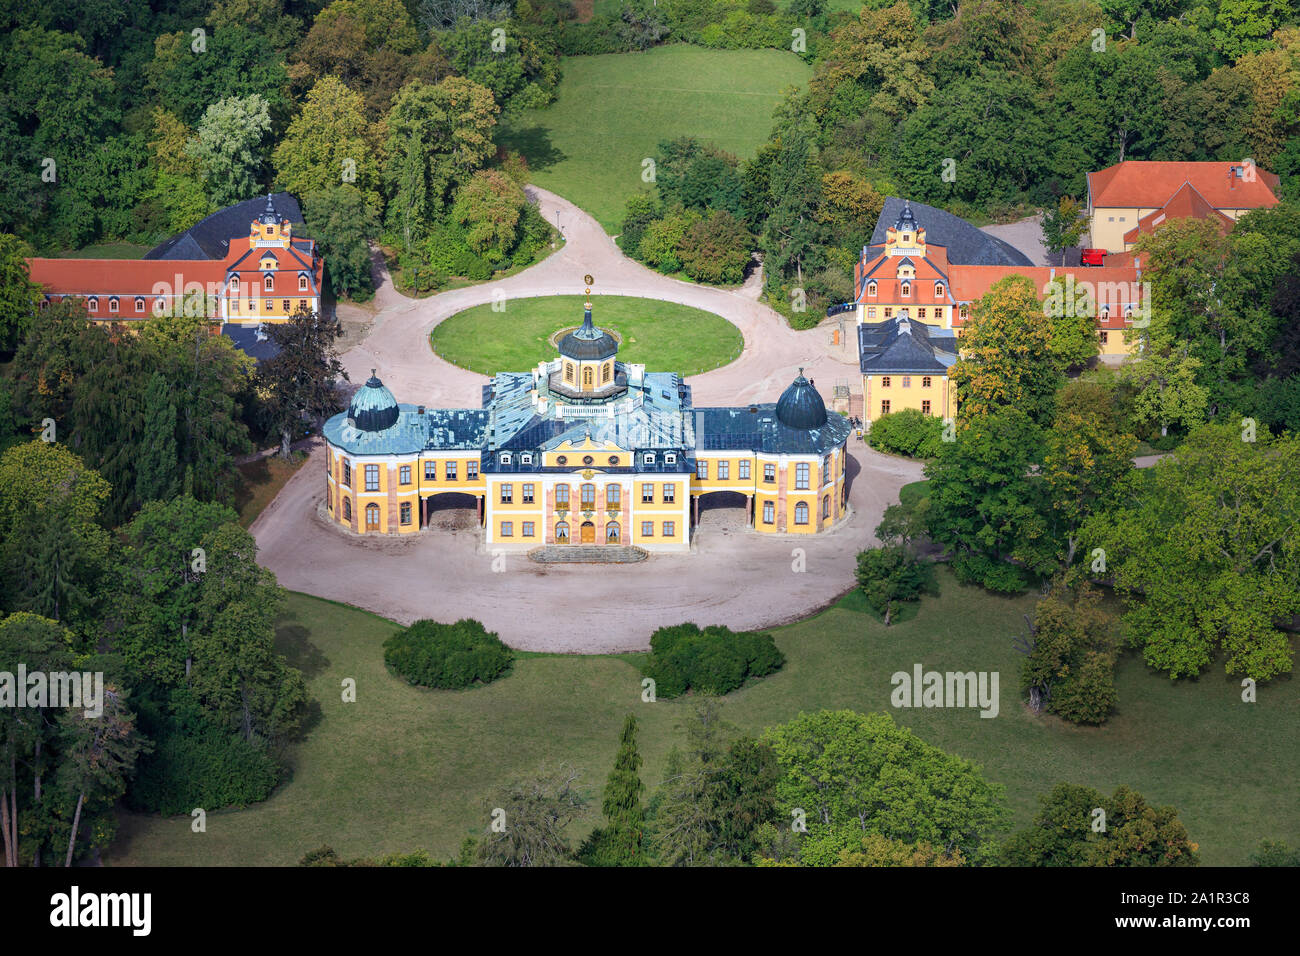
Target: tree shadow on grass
pixel 534 142
pixel 293 641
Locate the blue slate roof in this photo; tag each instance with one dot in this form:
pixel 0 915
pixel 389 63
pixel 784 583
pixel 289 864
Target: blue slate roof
pixel 210 237
pixel 249 340
pixel 966 244
pixel 904 345
pixel 756 428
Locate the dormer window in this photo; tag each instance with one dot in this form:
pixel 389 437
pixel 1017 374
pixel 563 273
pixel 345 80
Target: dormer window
pixel 871 287
pixel 234 283
pixel 670 458
pixel 526 458
pixel 906 289
pixel 159 306
pixel 505 458
pixel 92 304
pixel 649 458
pixel 302 282
pixel 139 303
pixel 112 304
pixel 938 290
pixel 270 283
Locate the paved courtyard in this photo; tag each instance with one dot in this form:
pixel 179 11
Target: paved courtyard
pixel 733 575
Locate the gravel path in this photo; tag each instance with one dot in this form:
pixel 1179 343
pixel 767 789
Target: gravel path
pixel 733 576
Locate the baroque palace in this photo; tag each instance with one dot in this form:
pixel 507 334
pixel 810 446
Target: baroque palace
pixel 585 449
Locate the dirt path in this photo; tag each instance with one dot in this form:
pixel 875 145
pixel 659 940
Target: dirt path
pixel 734 576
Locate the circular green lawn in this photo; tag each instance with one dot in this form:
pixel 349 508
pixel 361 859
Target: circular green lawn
pixel 663 336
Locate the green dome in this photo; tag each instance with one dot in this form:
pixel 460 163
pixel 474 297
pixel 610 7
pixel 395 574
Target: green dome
pixel 800 406
pixel 373 408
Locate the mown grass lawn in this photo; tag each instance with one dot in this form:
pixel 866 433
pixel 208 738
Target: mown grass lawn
pixel 404 767
pixel 612 110
pixel 666 337
pixel 107 250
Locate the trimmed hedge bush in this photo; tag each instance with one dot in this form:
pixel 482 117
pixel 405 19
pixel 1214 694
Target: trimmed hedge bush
pixel 908 432
pixel 212 769
pixel 449 656
pixel 715 660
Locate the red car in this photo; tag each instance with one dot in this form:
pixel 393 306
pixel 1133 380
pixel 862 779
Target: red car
pixel 1092 257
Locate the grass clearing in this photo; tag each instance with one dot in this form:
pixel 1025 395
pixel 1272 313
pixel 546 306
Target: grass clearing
pixel 665 336
pixel 612 110
pixel 406 768
pixel 107 250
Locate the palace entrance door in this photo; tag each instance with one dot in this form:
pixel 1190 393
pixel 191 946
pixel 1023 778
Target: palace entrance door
pixel 588 533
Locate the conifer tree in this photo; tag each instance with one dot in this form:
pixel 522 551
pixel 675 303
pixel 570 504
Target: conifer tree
pixel 621 803
pixel 155 477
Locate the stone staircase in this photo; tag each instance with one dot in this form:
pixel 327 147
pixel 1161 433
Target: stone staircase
pixel 587 554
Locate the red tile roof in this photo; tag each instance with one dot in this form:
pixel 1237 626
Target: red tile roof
pixel 1187 203
pixel 1149 184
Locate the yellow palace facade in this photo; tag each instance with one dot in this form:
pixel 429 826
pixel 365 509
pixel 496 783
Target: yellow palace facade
pixel 586 450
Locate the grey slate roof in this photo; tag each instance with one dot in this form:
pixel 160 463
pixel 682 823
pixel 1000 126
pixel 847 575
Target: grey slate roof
pixel 756 428
pixel 245 338
pixel 886 347
pixel 210 238
pixel 966 245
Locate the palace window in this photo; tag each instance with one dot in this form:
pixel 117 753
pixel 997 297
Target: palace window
pixel 613 459
pixel 112 304
pixel 588 494
pixel 588 460
pixel 266 303
pixel 647 529
pixel 769 512
pixel 562 496
pixel 347 474
pixel 587 377
pixel 702 469
pixel 938 290
pixel 1105 337
pixel 302 282
pixel 606 372
pixel 871 288
pixel 451 470
pixel 505 458
pixel 526 458
pixel 404 474
pixel 925 406
pixel 906 289
pixel 562 531
pixel 372 517
pixel 801 476
pixel 907 381
pixel 826 469
pixel 920 313
pixel 613 496
pixel 801 513
pixel 269 284
pixel 561 459
pixel 769 473
pixel 507 494
pixel 884 381
pixel 884 407
pixel 302 303
pixel 528 530
pixel 568 372
pixel 507 529
pixel 160 305
pixel 744 468
pixel 925 381
pixel 347 509
pixel 471 471
pixel 372 477
pixel 526 493
pixel 284 304
pixel 962 313
pixel 612 531
pixel 430 471
pixel 647 494
pixel 826 506
pixel 670 494
pixel 234 283
pixel 649 458
pixel 405 512
pixel 139 303
pixel 670 529
pixel 670 458
pixel 889 313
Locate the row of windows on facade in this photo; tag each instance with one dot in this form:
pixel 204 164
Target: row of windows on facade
pixel 906 289
pixel 587 495
pixel 588 376
pixel 925 407
pixel 921 313
pixel 802 472
pixel 160 304
pixel 526 458
pixel 885 381
pixel 611 530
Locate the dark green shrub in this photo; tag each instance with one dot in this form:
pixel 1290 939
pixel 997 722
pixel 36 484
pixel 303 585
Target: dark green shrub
pixel 450 656
pixel 908 432
pixel 715 660
pixel 212 770
pixel 974 568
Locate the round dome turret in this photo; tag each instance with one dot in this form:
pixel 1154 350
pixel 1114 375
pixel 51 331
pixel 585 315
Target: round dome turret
pixel 373 408
pixel 588 343
pixel 800 406
pixel 906 221
pixel 268 217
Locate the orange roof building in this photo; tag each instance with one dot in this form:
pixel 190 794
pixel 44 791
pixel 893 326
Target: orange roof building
pixel 264 279
pixel 1133 198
